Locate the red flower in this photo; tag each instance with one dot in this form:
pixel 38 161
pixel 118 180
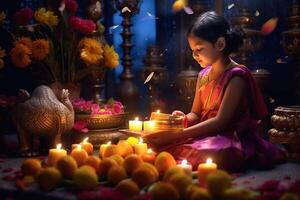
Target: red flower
pixel 269 185
pixel 71 6
pixel 23 16
pixel 81 25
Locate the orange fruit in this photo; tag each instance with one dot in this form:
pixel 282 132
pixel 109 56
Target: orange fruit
pixel 111 150
pixel 131 163
pixel 218 182
pixel 164 161
pixel 30 166
pixel 163 191
pixel 180 182
pixel 143 176
pixel 116 174
pixel 128 188
pixel 48 178
pixel 93 161
pixel 85 177
pixel 151 168
pixel 105 165
pixel 171 171
pixel 125 148
pixel 119 159
pixel 67 166
pixel 201 194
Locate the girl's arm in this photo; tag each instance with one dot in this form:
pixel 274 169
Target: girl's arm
pixel 193 117
pixel 233 93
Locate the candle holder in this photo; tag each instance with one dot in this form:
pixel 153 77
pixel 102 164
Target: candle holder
pixel 127 91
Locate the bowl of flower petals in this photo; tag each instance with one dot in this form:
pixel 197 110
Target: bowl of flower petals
pixel 109 115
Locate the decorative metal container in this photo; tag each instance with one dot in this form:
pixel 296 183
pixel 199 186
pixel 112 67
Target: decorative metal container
pixel 102 121
pixel 286 131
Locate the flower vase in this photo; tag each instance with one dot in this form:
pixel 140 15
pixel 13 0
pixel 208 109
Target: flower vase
pixel 96 79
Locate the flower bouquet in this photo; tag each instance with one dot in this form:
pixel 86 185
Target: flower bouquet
pixel 56 45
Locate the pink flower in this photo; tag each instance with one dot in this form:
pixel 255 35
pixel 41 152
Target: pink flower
pixel 80 126
pixel 23 16
pixel 117 108
pixel 95 108
pixel 78 103
pixel 103 194
pixel 71 6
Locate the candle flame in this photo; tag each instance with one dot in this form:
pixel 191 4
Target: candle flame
pixel 58 146
pixel 85 140
pixel 209 161
pixel 79 146
pixel 158 111
pixel 136 119
pixel 184 162
pixel 141 141
pixel 108 143
pixel 149 151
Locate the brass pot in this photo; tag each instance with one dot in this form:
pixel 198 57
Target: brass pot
pixel 102 121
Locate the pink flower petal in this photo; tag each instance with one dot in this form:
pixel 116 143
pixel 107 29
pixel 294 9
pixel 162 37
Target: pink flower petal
pixel 7 170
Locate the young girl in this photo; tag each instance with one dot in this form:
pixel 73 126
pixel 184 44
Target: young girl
pixel 227 108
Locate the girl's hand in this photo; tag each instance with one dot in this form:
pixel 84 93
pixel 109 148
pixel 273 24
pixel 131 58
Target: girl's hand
pixel 161 138
pixel 178 113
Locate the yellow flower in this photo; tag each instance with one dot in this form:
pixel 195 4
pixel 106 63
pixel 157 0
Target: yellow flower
pixel 1 64
pixel 40 49
pixel 20 55
pixel 111 58
pixel 2 17
pixel 25 41
pixel 46 17
pixel 91 52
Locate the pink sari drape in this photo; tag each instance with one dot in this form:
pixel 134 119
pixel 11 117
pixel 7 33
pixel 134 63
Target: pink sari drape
pixel 240 145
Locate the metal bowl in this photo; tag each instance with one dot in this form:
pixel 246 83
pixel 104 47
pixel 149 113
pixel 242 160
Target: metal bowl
pixel 97 121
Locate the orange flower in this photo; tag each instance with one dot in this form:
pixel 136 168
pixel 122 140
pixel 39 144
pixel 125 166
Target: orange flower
pixel 40 49
pixel 20 55
pixel 111 58
pixel 90 51
pixel 25 41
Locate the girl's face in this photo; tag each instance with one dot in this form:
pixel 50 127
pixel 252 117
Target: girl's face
pixel 203 51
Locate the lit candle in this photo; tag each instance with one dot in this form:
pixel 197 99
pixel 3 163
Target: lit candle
pixel 103 148
pixel 135 125
pixel 149 156
pixel 204 169
pixel 149 126
pixel 158 111
pixel 87 146
pixel 140 148
pixel 55 155
pixel 79 154
pixel 186 167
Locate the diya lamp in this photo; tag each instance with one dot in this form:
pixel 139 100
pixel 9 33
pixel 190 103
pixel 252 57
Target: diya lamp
pixel 103 148
pixel 186 167
pixel 87 146
pixel 204 169
pixel 80 155
pixel 140 148
pixel 56 154
pixel 149 156
pixel 135 125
